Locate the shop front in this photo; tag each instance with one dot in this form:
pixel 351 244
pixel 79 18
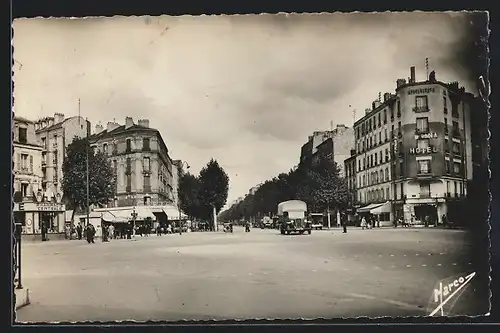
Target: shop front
pixel 426 212
pixel 42 220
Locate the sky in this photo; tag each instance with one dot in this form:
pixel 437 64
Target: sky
pixel 246 90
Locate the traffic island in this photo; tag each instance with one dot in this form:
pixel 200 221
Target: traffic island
pixel 22 297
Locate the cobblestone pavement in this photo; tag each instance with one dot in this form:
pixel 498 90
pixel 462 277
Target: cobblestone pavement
pixel 261 274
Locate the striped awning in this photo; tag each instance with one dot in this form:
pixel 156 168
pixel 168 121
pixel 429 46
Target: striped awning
pixel 368 208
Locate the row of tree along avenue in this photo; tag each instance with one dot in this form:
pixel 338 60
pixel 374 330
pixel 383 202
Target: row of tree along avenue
pixel 101 177
pixel 202 197
pixel 318 184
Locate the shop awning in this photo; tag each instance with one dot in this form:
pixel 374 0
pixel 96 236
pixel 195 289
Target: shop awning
pixel 173 213
pixel 384 208
pixel 112 218
pixel 368 208
pixel 68 215
pixel 144 213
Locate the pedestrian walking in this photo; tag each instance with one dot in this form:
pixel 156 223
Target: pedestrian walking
pixel 343 221
pixel 79 231
pixel 363 223
pixel 111 231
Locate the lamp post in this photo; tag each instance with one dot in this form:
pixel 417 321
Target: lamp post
pixel 134 216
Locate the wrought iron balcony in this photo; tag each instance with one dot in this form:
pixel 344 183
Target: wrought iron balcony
pixel 419 109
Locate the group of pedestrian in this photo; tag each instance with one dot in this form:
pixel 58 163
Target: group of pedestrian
pixel 370 222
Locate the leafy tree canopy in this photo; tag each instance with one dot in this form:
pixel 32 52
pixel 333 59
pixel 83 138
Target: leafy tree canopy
pixel 318 184
pixel 102 179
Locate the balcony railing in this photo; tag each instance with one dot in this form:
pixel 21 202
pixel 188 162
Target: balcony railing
pixel 455 133
pixel 147 188
pixel 419 109
pixel 425 195
pixel 146 148
pixel 128 189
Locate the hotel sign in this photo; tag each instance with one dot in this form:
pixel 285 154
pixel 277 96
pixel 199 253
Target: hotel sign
pixel 419 91
pixel 432 135
pixel 427 150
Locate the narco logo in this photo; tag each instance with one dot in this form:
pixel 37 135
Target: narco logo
pixel 421 91
pixel 445 292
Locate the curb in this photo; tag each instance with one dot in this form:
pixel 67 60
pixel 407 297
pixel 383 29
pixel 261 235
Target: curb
pixel 22 297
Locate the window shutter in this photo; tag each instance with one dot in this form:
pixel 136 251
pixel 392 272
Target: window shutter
pixel 31 163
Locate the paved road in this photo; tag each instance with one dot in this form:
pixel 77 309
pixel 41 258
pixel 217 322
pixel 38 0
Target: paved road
pixel 242 275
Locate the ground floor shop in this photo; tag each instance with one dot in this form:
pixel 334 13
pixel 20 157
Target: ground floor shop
pixel 41 220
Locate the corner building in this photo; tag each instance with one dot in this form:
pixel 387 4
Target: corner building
pixel 414 150
pixel 141 161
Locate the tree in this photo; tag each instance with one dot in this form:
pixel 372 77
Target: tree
pixel 329 188
pixel 102 179
pixel 213 190
pixel 189 187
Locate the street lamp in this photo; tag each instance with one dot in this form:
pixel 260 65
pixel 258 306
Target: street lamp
pixel 134 216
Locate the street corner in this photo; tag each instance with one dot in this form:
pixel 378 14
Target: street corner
pixel 22 298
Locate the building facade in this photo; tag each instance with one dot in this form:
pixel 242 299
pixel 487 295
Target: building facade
pixel 334 145
pixel 350 175
pixel 55 134
pixel 39 208
pixel 414 149
pixel 141 161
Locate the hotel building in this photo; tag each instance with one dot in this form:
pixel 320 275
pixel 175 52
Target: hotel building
pixel 413 150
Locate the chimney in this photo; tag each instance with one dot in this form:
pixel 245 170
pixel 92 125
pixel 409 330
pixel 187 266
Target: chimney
pixel 143 122
pixel 112 125
pixel 367 111
pixel 400 82
pixel 412 74
pixel 129 122
pixel 387 96
pixel 50 121
pixel 58 117
pixel 353 152
pixel 98 128
pixel 375 104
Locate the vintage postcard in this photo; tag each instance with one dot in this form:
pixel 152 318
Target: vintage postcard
pixel 274 166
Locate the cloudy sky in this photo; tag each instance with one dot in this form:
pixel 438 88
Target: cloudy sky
pixel 246 90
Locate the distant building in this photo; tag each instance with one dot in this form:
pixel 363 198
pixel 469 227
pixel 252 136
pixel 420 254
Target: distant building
pixel 414 152
pixel 39 206
pixel 55 134
pixel 334 145
pixel 141 161
pixel 254 189
pixel 350 175
pixel 177 173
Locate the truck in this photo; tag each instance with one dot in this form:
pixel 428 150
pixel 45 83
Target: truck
pixel 292 217
pixel 316 220
pixel 266 223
